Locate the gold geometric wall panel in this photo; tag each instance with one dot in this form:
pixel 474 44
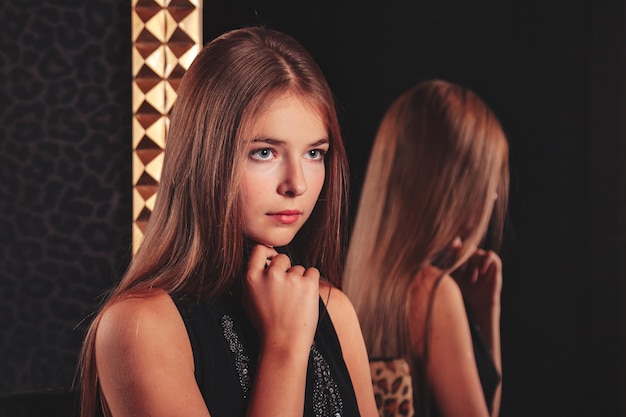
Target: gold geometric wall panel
pixel 166 37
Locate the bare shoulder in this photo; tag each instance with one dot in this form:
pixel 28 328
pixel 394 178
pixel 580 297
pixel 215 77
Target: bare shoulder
pixel 448 308
pixel 448 294
pixel 449 327
pixel 137 330
pixel 138 319
pixel 440 294
pixel 430 285
pixel 342 314
pixel 346 324
pixel 451 363
pixel 144 358
pixel 158 302
pixel 337 302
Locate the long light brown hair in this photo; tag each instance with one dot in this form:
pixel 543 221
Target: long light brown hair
pixel 439 157
pixel 194 244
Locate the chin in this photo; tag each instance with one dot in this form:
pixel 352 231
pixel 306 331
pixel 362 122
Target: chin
pixel 273 241
pixel 277 243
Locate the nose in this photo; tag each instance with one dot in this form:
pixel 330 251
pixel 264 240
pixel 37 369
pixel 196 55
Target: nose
pixel 294 181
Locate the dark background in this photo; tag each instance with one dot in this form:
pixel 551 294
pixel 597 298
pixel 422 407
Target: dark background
pixel 553 71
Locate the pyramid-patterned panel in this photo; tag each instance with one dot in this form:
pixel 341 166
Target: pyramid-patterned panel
pixel 166 36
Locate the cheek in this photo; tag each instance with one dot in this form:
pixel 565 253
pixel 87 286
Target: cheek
pixel 252 186
pixel 316 180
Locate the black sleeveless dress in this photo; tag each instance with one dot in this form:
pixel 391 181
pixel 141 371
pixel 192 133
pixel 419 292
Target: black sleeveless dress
pixel 489 376
pixel 225 347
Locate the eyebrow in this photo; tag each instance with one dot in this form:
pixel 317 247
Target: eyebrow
pixel 276 142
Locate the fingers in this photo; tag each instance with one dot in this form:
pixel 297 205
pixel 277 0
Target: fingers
pixel 474 275
pixel 489 260
pixel 260 257
pixel 296 269
pixel 312 273
pixel 266 259
pixel 280 262
pixel 479 265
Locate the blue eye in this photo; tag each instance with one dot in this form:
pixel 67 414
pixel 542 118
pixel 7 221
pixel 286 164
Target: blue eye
pixel 262 154
pixel 316 154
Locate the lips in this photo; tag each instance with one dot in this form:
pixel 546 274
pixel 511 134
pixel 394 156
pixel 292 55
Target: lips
pixel 286 216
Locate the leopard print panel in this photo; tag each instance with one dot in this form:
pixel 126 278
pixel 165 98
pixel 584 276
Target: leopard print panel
pixel 393 388
pixel 65 179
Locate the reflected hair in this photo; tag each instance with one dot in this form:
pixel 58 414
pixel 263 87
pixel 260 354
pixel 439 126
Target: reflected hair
pixel 439 158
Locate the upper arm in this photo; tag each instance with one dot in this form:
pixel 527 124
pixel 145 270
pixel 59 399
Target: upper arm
pixel 348 330
pixel 144 360
pixel 452 365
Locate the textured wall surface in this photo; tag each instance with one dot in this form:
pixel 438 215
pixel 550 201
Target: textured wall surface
pixel 65 169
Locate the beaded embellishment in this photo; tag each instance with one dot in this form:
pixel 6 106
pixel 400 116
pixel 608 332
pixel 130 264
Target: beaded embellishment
pixel 326 397
pixel 242 361
pixel 327 400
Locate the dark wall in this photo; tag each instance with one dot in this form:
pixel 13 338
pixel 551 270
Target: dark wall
pixel 65 178
pixel 552 71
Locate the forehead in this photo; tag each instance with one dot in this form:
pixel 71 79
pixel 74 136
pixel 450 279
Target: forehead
pixel 289 116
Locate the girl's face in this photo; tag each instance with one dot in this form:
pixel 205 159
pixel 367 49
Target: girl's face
pixel 284 170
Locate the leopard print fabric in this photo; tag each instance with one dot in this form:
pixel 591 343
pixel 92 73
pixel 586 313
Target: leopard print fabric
pixel 393 387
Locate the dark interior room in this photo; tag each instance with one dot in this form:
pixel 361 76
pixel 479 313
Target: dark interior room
pixel 553 72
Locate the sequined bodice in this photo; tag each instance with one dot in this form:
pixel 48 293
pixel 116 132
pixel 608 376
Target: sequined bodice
pixel 225 347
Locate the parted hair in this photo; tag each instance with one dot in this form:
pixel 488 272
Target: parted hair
pixel 194 244
pixel 439 158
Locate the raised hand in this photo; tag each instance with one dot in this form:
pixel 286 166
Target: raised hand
pixel 480 280
pixel 281 300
